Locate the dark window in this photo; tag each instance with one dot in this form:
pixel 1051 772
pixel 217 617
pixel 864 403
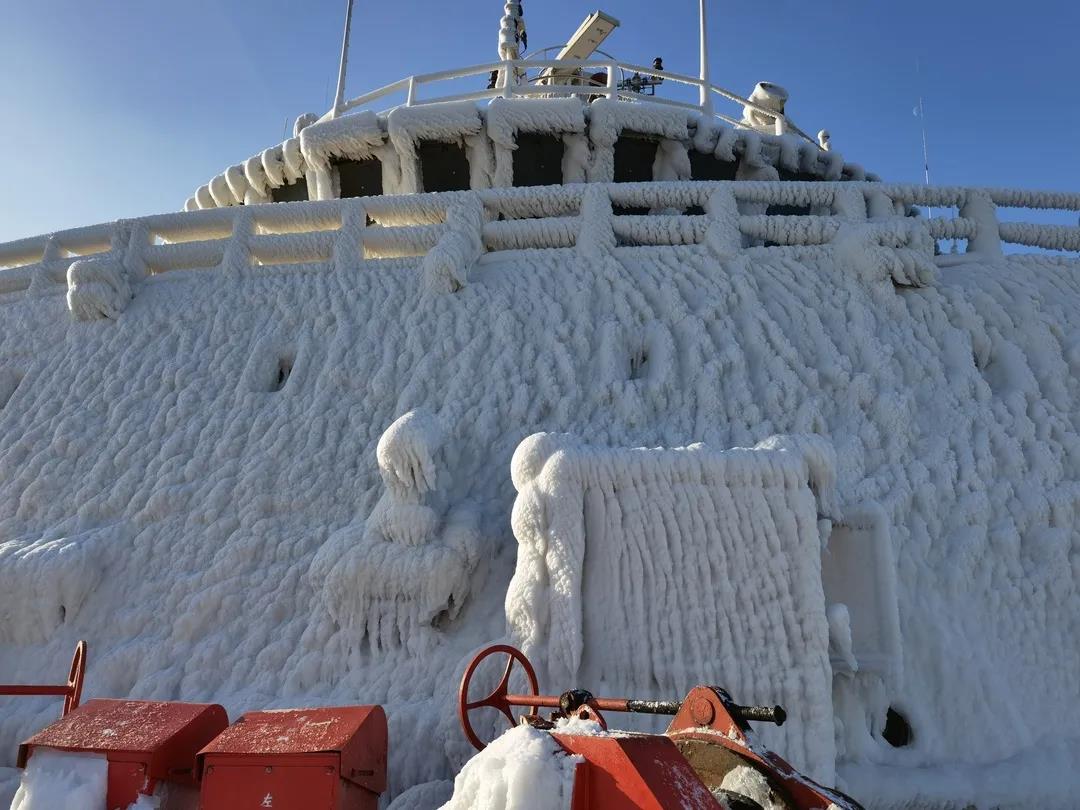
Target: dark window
pixel 292 192
pixel 710 167
pixel 634 156
pixel 538 159
pixel 791 210
pixel 443 166
pixel 359 178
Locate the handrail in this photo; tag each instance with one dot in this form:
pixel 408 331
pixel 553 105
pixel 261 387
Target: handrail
pixel 512 89
pixel 390 227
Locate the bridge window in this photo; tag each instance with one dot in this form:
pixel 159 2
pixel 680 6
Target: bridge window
pixel 634 156
pixel 359 178
pixel 538 159
pixel 791 210
pixel 291 192
pixel 709 167
pixel 444 166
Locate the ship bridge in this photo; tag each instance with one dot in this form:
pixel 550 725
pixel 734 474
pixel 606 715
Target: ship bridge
pixel 568 114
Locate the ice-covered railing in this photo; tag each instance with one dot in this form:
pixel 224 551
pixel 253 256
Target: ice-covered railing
pixel 452 230
pixel 507 86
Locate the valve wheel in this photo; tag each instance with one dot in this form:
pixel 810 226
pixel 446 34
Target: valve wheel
pixel 75 678
pixel 497 699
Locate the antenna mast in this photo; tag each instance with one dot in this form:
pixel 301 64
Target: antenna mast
pixel 339 97
pixel 922 123
pixel 704 92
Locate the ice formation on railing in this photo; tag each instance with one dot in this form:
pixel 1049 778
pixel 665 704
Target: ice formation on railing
pixel 867 226
pixel 97 288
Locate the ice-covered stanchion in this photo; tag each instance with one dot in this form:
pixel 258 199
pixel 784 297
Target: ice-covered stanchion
pixel 446 266
pixel 405 570
pixel 97 288
pixel 675 567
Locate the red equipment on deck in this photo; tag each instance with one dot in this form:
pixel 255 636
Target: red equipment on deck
pixel 293 759
pixel 685 767
pixel 329 758
pixel 145 742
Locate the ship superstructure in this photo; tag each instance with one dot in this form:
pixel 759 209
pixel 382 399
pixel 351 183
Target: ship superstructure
pixel 322 451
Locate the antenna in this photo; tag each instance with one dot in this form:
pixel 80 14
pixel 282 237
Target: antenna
pixel 339 97
pixel 921 115
pixel 704 92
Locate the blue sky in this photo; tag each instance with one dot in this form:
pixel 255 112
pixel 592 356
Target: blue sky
pixel 118 108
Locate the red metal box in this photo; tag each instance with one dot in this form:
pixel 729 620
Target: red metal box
pixel 297 759
pixel 144 741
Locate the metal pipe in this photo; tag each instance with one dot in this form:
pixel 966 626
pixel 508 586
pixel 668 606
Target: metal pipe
pixel 339 97
pixel 20 689
pixel 704 96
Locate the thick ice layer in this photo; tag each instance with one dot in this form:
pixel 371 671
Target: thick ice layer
pixel 524 768
pixel 167 478
pixel 56 780
pixel 648 572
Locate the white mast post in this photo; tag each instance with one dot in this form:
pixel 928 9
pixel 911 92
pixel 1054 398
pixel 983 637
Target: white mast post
pixel 339 97
pixel 704 92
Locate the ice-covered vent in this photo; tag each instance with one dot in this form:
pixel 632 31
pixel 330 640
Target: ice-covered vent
pixel 404 570
pixel 652 571
pixel 770 96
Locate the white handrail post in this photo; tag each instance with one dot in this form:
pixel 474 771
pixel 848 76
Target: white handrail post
pixel 505 78
pixel 612 85
pixel 339 97
pixel 704 91
pixel 411 95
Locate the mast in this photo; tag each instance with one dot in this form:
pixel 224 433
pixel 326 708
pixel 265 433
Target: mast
pixel 704 93
pixel 339 97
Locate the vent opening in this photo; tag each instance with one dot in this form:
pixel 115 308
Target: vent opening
pixel 9 382
pixel 897 731
pixel 284 369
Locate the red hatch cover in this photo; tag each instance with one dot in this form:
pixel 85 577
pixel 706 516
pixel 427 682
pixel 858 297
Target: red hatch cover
pixel 357 734
pixel 163 735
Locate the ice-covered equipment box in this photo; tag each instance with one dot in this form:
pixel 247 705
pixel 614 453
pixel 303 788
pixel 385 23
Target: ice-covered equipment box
pixel 145 742
pixel 333 758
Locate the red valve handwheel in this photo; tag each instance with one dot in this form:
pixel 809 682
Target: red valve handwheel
pixel 75 678
pixel 497 699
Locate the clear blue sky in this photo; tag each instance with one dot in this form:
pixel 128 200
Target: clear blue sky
pixel 117 108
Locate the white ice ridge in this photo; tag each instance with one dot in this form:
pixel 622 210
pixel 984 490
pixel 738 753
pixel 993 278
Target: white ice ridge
pixel 679 567
pixel 167 478
pixel 524 769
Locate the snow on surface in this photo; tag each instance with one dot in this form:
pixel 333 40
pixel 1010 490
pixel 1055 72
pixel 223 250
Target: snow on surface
pixel 523 768
pixel 57 780
pixel 169 479
pixel 675 568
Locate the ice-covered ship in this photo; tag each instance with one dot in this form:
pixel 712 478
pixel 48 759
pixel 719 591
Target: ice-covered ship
pixel 381 395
